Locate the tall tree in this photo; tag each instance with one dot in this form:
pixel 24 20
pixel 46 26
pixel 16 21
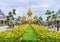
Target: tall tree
pixel 40 19
pixel 18 20
pixel 51 15
pixel 14 11
pixel 10 18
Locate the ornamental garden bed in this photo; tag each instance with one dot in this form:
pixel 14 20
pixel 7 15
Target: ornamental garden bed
pixel 30 33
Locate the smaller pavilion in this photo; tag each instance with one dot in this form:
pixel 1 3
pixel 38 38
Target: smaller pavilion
pixel 2 18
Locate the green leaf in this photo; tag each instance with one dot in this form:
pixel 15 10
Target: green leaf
pixel 53 16
pixel 14 12
pixel 49 17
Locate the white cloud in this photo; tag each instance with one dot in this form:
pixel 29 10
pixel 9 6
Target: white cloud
pixel 21 11
pixel 58 5
pixel 45 5
pixel 38 6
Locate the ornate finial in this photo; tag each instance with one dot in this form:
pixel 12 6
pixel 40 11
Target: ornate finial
pixel 35 17
pixel 23 17
pixel 29 13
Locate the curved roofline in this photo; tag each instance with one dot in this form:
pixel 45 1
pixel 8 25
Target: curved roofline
pixel 58 12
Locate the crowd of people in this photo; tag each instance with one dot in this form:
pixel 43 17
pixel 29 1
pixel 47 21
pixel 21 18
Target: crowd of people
pixel 55 26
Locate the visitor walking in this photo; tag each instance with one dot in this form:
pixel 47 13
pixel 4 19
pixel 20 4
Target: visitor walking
pixel 57 27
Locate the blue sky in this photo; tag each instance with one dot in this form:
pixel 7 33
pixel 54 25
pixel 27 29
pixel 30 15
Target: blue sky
pixel 38 7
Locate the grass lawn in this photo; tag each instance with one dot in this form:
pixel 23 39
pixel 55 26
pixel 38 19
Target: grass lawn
pixel 29 34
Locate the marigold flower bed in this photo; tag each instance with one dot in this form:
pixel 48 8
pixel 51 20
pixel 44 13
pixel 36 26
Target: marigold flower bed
pixel 13 36
pixel 30 32
pixel 45 35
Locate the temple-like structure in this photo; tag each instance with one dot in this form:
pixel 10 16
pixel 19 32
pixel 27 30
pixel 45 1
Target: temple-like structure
pixel 58 17
pixel 2 18
pixel 29 20
pixel 29 13
pixel 23 17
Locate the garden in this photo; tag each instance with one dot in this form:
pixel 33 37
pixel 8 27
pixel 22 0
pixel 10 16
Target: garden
pixel 29 33
pixel 30 21
pixel 23 29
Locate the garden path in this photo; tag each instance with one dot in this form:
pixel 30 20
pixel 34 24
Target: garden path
pixel 30 34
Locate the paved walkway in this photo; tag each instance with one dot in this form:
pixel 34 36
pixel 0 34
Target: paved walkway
pixel 52 29
pixel 2 28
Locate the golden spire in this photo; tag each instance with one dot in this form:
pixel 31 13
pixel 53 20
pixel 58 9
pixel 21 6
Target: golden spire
pixel 35 17
pixel 23 17
pixel 29 12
